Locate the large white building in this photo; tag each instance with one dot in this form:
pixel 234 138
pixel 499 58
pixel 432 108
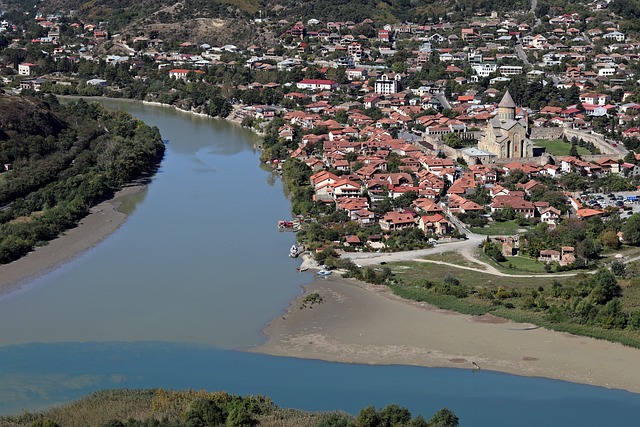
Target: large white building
pixel 388 84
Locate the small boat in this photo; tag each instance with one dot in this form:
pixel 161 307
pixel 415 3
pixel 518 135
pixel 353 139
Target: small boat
pixel 296 251
pixel 288 225
pixel 323 273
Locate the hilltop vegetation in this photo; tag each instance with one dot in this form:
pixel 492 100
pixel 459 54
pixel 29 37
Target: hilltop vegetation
pixel 58 161
pixel 194 19
pixel 160 408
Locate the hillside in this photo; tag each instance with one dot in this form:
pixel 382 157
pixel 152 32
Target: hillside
pixel 210 20
pixel 27 116
pixel 58 161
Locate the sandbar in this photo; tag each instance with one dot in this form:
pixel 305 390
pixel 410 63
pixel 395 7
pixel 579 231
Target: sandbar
pixel 103 220
pixel 367 324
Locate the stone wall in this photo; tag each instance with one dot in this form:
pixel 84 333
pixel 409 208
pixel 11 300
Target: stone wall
pixel 546 133
pixel 597 140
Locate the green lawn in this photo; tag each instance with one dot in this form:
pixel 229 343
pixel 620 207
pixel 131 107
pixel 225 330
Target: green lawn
pixel 507 228
pixel 521 263
pixel 558 147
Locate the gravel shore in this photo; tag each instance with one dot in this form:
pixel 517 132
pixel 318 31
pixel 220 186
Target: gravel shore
pixel 361 323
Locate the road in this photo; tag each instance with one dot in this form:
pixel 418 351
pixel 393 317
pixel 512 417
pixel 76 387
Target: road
pixel 443 100
pixel 522 55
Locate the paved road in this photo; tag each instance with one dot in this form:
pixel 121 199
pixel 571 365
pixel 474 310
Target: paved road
pixel 443 100
pixel 522 55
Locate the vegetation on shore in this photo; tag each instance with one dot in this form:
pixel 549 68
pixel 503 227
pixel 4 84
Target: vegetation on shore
pixel 190 408
pixel 60 161
pixel 604 305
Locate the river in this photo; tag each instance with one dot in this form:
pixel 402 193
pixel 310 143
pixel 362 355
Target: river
pixel 194 275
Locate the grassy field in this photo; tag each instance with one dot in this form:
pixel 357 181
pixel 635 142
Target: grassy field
pixel 454 258
pixel 506 228
pixel 558 147
pixel 416 271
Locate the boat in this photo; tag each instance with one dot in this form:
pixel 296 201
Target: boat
pixel 288 225
pixel 323 273
pixel 296 251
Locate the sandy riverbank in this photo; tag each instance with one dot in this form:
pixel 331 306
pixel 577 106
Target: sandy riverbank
pixel 360 323
pixel 103 220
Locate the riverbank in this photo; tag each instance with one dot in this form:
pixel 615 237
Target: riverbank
pixel 103 220
pixel 362 323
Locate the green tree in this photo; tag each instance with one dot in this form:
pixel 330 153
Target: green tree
pixel 605 287
pixel 335 420
pixel 204 412
pixel 444 418
pixel 631 230
pixel 394 415
pixel 367 417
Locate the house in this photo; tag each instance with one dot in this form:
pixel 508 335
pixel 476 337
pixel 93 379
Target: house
pixel 352 240
pixel 397 220
pixel 568 256
pixel 434 224
pixel 182 73
pixel 317 84
pixel 518 204
pixel 585 213
pixel 26 69
pixel 364 217
pixel 549 255
pixel 550 216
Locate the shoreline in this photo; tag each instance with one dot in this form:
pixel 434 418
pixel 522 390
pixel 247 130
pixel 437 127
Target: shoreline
pixel 103 220
pixel 368 324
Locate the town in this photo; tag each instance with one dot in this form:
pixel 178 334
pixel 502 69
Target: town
pixel 398 136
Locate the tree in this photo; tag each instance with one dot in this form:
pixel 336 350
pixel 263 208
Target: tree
pixel 335 420
pixel 609 238
pixel 444 418
pixel 394 415
pixel 205 413
pixel 605 287
pixel 618 268
pixel 631 230
pixel 452 140
pixel 367 417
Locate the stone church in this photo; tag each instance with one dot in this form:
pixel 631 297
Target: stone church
pixel 505 136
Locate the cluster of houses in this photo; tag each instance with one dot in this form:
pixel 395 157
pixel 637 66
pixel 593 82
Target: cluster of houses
pixel 350 160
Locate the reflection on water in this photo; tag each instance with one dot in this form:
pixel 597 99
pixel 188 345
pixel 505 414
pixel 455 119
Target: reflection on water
pixel 129 203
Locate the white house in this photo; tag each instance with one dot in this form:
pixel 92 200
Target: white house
pixel 317 84
pixel 26 69
pixel 615 35
pixel 484 70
